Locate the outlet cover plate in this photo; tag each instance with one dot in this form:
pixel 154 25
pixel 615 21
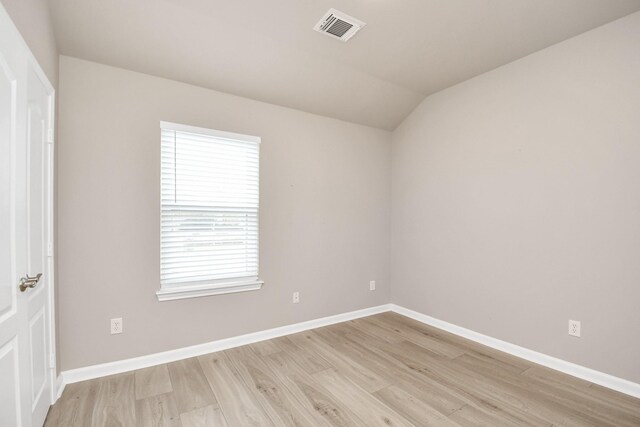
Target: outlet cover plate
pixel 116 326
pixel 574 328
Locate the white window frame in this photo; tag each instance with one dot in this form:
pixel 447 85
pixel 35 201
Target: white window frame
pixel 213 287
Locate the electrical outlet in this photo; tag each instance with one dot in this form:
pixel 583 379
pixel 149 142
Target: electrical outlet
pixel 296 297
pixel 574 328
pixel 116 326
pixel 372 285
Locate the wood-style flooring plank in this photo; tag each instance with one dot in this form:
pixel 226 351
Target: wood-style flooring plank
pixel 371 352
pixel 265 348
pixel 371 410
pixel 307 360
pixel 470 416
pixel 324 407
pixel 367 379
pixel 190 388
pixel 374 330
pixel 115 401
pixel 416 336
pixel 152 381
pixel 209 416
pixel 268 389
pixel 238 405
pixel 75 406
pixel 412 408
pixel 157 411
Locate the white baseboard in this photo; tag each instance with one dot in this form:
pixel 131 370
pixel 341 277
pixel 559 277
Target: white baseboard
pixel 59 386
pixel 111 368
pixel 596 377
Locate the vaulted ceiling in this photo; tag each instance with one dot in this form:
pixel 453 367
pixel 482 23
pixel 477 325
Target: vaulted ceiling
pixel 267 50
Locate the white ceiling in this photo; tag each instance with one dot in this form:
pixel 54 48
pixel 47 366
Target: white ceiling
pixel 267 50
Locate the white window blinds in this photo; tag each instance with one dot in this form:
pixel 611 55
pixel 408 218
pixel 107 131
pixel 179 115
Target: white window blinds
pixel 209 213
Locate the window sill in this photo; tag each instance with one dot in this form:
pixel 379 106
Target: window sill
pixel 194 291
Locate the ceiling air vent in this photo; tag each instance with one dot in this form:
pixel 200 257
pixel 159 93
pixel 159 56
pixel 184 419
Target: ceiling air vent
pixel 338 25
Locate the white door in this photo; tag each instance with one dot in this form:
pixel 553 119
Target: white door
pixel 38 238
pixel 26 374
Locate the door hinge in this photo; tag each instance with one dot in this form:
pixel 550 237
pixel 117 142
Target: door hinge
pixel 49 250
pixel 52 361
pixel 50 135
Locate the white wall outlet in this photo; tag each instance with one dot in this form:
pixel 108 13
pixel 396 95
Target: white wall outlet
pixel 372 285
pixel 116 326
pixel 574 328
pixel 296 297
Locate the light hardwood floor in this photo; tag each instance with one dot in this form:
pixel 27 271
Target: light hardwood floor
pixel 383 370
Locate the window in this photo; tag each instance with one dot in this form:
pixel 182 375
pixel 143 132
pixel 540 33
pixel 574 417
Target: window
pixel 209 212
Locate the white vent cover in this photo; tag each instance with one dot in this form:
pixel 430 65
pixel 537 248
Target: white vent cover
pixel 338 25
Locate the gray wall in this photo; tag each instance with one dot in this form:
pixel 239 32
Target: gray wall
pixel 515 202
pixel 325 198
pixel 33 20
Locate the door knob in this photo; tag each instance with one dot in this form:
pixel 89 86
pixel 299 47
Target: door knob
pixel 29 282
